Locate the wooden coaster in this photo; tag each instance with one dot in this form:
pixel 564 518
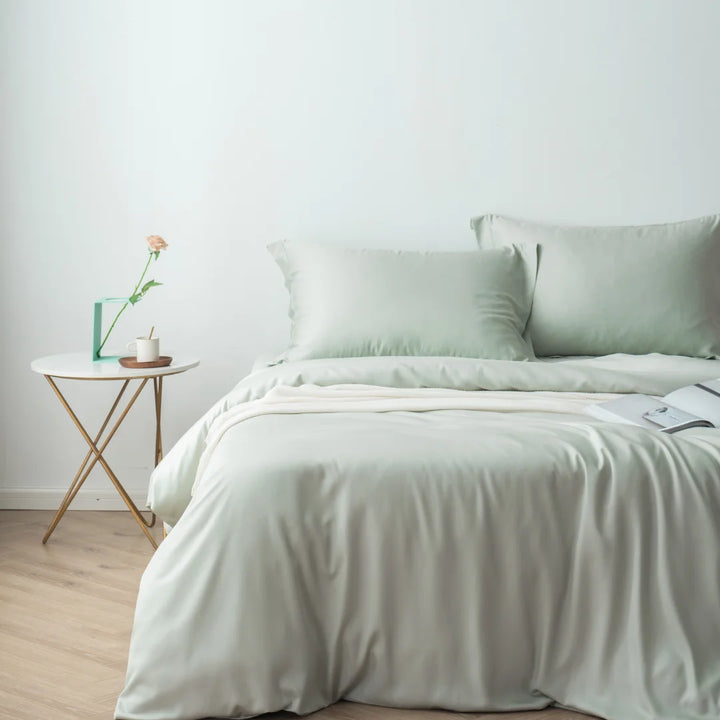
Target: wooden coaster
pixel 133 364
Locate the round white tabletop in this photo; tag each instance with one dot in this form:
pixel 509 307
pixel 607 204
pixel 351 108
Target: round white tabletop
pixel 80 366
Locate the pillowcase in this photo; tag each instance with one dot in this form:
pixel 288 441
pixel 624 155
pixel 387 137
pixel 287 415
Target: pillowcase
pixel 354 303
pixel 604 290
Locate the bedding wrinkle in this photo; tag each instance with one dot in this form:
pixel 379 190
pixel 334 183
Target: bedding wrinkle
pixel 602 501
pixel 346 520
pixel 679 670
pixel 301 546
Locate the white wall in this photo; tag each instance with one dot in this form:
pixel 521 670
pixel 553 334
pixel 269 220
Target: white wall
pixel 226 125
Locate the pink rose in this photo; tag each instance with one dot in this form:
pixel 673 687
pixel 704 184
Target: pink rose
pixel 156 243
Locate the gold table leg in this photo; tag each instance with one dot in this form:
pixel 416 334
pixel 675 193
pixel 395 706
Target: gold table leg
pixel 157 389
pixel 82 475
pixel 78 481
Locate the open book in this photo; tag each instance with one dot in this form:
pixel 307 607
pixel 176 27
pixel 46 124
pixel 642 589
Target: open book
pixel 691 406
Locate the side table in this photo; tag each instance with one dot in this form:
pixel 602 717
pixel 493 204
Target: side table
pixel 79 366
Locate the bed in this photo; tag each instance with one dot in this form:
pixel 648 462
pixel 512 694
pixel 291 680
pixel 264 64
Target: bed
pixel 430 530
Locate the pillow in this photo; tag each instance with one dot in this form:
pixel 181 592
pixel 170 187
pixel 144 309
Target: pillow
pixel 350 303
pixel 604 290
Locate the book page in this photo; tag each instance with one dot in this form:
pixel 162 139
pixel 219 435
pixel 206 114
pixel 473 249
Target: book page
pixel 630 409
pixel 698 401
pixel 672 418
pixel 646 411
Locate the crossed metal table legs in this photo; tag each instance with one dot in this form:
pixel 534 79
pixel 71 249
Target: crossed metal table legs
pixel 95 454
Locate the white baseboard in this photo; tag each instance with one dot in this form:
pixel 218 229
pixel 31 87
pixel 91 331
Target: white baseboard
pixel 86 499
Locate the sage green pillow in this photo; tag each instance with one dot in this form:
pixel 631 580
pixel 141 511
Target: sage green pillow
pixel 604 290
pixel 351 303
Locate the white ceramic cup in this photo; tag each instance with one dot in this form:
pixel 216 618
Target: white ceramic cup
pixel 146 349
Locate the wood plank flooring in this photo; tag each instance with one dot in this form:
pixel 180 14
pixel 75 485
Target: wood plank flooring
pixel 66 611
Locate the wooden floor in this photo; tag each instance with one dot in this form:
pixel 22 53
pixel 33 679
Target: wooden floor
pixel 66 611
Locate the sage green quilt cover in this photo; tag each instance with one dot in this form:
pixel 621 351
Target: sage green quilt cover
pixel 434 532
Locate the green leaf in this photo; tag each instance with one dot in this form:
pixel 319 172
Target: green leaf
pixel 137 297
pixel 148 285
